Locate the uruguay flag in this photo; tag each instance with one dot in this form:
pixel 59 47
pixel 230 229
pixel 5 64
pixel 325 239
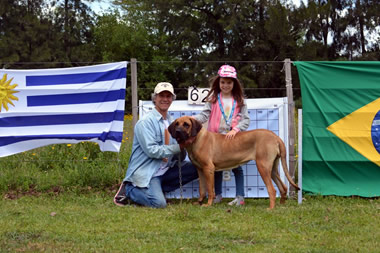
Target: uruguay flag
pixel 67 105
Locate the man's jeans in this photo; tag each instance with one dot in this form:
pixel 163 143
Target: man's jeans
pixel 153 195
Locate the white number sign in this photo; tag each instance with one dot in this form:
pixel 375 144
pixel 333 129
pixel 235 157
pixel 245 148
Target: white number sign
pixel 196 96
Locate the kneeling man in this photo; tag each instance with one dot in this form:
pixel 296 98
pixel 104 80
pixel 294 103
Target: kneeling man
pixel 153 165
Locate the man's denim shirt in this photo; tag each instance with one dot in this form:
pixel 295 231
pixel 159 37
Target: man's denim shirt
pixel 148 149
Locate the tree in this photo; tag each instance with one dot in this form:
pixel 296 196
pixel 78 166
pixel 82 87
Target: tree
pixel 23 33
pixel 74 25
pixel 218 31
pixel 34 34
pixel 363 18
pixel 120 38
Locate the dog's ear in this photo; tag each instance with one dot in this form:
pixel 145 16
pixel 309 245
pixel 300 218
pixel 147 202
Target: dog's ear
pixel 171 129
pixel 196 127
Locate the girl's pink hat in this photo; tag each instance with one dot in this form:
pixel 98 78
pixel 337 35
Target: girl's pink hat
pixel 227 71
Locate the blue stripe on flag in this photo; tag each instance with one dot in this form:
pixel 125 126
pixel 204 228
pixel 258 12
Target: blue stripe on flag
pixel 76 78
pixel 43 120
pixel 114 136
pixel 78 98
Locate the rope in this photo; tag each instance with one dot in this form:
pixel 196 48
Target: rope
pixel 180 177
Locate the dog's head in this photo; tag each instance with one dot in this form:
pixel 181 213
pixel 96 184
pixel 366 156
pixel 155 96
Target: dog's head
pixel 183 128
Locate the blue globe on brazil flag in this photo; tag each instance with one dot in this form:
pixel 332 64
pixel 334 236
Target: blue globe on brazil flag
pixel 375 132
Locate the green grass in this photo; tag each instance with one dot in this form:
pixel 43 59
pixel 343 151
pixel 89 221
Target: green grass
pixel 90 222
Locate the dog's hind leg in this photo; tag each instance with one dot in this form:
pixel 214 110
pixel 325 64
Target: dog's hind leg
pixel 277 180
pixel 264 169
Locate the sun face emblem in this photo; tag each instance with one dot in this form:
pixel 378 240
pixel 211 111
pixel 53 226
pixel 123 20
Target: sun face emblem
pixel 6 92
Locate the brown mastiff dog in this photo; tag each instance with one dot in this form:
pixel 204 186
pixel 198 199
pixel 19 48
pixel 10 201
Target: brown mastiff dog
pixel 211 152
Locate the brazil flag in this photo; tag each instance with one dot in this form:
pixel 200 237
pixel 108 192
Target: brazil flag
pixel 341 127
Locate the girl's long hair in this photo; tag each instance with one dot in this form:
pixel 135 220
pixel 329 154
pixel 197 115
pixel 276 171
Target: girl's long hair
pixel 237 91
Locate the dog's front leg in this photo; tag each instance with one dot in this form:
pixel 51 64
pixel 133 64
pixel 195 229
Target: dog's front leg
pixel 209 180
pixel 202 188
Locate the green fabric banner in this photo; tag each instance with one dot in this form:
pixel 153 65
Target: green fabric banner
pixel 341 127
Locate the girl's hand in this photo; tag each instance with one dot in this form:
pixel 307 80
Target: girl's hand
pixel 231 134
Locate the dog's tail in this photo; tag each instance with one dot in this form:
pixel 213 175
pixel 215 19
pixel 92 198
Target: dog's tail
pixel 284 164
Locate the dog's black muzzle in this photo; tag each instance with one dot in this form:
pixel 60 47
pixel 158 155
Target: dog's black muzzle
pixel 180 135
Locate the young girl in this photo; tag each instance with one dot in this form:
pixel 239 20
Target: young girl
pixel 227 114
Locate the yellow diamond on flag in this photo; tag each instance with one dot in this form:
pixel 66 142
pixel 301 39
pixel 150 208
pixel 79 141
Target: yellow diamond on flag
pixel 359 131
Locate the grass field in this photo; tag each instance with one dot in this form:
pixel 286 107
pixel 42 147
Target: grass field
pixel 59 199
pixel 90 222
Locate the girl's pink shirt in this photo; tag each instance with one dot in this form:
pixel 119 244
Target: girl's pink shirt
pixel 216 116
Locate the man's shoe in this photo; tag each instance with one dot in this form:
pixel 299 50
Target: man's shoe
pixel 120 198
pixel 218 198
